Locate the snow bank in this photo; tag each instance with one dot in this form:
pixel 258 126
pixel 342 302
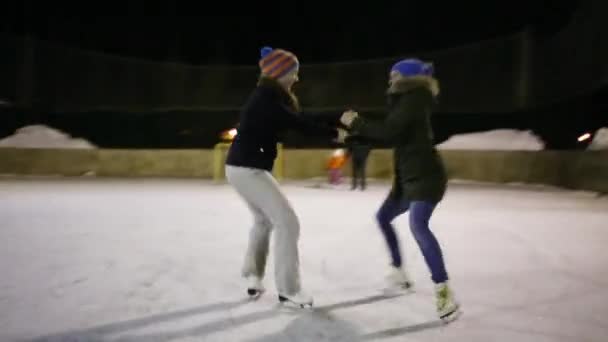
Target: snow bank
pixel 40 136
pixel 500 139
pixel 600 140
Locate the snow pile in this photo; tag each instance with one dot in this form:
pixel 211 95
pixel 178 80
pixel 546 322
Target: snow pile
pixel 500 139
pixel 40 136
pixel 600 140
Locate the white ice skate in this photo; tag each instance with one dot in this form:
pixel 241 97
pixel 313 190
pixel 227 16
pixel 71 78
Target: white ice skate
pixel 447 307
pixel 255 288
pixel 299 299
pixel 397 281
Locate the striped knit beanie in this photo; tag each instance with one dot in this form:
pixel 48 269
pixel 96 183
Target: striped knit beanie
pixel 276 63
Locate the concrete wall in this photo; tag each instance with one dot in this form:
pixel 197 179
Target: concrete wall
pixel 107 163
pixel 584 170
pixel 70 162
pixel 154 163
pixel 302 164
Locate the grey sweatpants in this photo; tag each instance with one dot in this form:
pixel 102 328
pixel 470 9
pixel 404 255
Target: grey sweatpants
pixel 271 210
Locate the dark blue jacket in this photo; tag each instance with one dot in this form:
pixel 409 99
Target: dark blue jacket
pixel 268 113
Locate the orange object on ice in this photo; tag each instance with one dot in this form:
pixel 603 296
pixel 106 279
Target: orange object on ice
pixel 337 160
pixel 334 165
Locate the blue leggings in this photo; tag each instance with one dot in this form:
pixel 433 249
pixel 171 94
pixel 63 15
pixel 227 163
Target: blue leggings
pixel 420 214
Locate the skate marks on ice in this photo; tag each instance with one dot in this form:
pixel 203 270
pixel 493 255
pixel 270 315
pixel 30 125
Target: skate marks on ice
pixel 321 325
pixel 357 302
pixel 104 332
pixel 319 322
pixel 318 326
pixel 388 333
pixel 408 329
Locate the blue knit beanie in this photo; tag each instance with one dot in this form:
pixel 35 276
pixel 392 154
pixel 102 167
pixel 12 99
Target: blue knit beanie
pixel 413 67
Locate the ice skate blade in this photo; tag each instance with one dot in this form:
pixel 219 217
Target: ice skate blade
pixel 254 294
pixel 286 301
pixel 400 289
pixel 405 286
pixel 452 316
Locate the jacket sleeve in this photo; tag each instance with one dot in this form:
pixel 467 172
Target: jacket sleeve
pixel 398 119
pixel 294 120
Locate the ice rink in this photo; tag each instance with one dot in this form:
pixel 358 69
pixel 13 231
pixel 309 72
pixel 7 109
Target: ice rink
pixel 159 260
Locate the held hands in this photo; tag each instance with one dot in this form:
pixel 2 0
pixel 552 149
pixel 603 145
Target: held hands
pixel 348 117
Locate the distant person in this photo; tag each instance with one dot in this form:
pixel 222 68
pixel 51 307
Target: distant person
pixel 359 150
pixel 270 111
pixel 334 166
pixel 420 178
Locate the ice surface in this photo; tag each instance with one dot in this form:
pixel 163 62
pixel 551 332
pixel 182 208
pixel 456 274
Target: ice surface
pixel 41 136
pixel 159 260
pixel 498 139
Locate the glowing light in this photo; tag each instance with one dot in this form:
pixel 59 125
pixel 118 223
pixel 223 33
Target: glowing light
pixel 584 137
pixel 229 134
pixel 338 153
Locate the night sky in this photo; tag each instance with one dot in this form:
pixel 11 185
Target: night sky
pixel 190 34
pixel 233 35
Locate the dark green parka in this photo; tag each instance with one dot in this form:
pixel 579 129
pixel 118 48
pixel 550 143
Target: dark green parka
pixel 419 171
